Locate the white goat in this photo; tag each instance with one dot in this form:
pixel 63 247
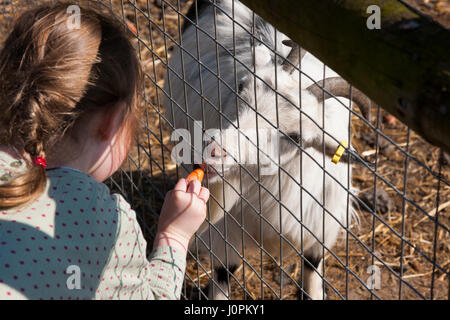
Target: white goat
pixel 287 193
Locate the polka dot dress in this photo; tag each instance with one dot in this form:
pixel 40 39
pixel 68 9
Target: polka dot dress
pixel 77 241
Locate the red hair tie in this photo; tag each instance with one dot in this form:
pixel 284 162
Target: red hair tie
pixel 40 161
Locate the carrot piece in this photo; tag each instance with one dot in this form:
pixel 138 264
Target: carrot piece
pixel 197 174
pixel 132 27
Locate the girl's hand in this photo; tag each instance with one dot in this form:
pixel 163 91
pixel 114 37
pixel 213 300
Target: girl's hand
pixel 183 211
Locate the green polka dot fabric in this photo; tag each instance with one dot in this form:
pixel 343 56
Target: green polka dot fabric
pixel 78 241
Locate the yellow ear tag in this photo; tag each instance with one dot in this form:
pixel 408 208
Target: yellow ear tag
pixel 340 150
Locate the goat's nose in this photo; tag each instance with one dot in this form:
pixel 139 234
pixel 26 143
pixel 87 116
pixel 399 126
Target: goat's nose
pixel 214 153
pixel 218 152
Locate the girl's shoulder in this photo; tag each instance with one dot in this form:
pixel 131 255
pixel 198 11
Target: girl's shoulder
pixel 73 207
pixel 72 200
pixel 81 191
pixel 75 222
pixel 70 192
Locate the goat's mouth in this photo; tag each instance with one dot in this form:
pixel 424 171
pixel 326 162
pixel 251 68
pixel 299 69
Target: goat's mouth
pixel 213 172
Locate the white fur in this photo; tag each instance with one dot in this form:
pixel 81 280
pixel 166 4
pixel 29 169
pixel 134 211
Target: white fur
pixel 241 191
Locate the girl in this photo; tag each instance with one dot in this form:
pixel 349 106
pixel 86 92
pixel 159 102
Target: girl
pixel 68 101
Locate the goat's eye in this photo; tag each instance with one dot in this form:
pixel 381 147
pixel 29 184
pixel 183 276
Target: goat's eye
pixel 241 87
pixel 295 137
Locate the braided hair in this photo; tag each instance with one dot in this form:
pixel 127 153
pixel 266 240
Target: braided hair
pixel 50 76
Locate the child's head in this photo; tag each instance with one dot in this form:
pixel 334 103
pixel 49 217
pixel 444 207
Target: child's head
pixel 59 83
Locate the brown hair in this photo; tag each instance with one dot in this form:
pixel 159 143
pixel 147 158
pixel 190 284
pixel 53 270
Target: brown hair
pixel 51 75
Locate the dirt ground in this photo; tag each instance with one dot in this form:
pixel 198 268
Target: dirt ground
pixel 403 239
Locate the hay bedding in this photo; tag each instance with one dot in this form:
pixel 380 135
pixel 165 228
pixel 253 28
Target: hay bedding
pixel 149 173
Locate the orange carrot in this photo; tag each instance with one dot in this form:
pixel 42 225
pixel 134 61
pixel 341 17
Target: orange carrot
pixel 132 27
pixel 197 174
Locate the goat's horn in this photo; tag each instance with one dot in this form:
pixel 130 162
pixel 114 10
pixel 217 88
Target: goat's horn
pixel 339 87
pixel 293 56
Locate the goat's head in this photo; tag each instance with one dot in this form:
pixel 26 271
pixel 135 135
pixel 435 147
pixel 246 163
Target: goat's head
pixel 271 128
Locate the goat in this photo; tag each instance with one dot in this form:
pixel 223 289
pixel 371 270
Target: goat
pixel 293 190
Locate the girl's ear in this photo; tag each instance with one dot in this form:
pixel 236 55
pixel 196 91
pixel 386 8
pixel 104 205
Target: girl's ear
pixel 110 119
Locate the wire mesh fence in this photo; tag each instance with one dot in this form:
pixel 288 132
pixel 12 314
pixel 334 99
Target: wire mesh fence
pixel 379 218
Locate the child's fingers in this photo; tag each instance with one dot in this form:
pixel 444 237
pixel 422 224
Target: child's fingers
pixel 181 185
pixel 204 194
pixel 194 186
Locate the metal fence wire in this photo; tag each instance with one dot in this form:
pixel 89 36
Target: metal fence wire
pixel 284 221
